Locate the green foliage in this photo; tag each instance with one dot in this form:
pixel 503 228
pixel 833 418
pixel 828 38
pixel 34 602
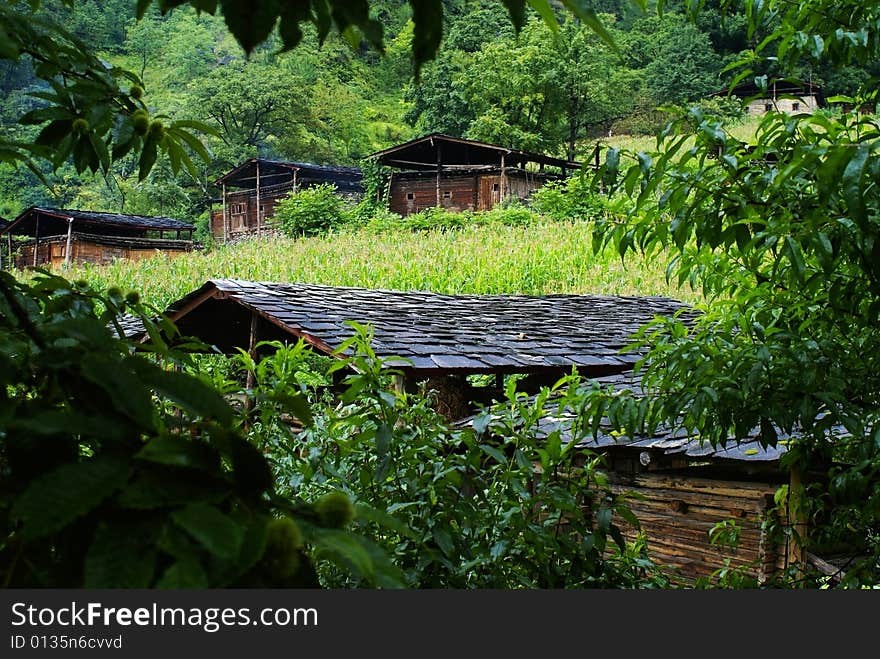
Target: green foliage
pixel 496 505
pixel 120 471
pixel 780 234
pixel 312 211
pixel 573 198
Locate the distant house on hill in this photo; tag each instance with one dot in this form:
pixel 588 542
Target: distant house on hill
pixel 780 96
pixel 251 191
pixel 450 172
pixel 60 236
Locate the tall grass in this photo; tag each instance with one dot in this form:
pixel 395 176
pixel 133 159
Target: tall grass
pixel 538 259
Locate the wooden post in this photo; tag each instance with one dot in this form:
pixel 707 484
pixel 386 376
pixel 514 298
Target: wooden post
pixel 36 239
pixel 259 219
pixel 501 185
pixel 439 167
pixel 794 550
pixel 225 216
pixel 9 246
pixel 69 243
pixel 251 376
pixel 400 383
pixel 294 181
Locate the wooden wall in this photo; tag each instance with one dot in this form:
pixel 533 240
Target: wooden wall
pixel 678 511
pixel 53 252
pixel 458 192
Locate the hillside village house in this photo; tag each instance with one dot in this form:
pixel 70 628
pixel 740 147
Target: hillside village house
pixel 251 191
pixel 60 237
pixel 780 96
pixel 450 172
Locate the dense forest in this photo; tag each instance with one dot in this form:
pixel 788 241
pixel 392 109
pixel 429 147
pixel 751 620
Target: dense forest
pixel 336 102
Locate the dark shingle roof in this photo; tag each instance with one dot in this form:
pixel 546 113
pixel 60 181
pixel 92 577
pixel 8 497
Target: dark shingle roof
pixel 25 223
pixel 274 172
pixel 461 333
pixel 666 439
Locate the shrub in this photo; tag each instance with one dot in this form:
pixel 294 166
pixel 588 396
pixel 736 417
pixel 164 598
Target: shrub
pixel 120 471
pixel 312 211
pixel 492 505
pixel 573 198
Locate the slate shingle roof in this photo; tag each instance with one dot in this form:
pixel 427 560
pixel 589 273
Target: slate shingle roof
pixel 463 333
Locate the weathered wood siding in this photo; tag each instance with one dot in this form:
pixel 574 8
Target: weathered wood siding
pixel 53 252
pixel 458 192
pixel 678 511
pixel 411 195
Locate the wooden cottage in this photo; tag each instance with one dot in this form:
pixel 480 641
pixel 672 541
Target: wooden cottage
pixel 250 192
pixel 429 335
pixel 55 236
pixel 780 96
pixel 684 486
pixel 450 172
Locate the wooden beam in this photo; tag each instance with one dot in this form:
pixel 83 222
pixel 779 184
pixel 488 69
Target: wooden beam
pixel 69 243
pixel 225 216
pixel 439 169
pixel 503 176
pixel 794 549
pixel 259 218
pixel 36 239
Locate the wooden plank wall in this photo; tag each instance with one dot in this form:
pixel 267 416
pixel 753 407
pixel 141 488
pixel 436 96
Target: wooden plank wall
pixel 456 193
pixel 677 512
pixel 53 253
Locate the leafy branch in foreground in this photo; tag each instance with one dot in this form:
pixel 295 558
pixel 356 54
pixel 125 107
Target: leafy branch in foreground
pixel 92 113
pixel 121 471
pixel 782 236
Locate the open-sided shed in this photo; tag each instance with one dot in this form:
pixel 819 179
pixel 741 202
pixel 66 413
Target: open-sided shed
pixel 251 191
pixel 63 236
pixel 680 487
pixel 442 171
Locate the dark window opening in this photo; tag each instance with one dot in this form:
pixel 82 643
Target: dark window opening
pixel 495 187
pixel 447 195
pixel 768 107
pixel 410 196
pixel 795 106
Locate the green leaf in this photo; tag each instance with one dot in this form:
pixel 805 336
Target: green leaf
pixel 494 452
pixel 365 513
pixel 216 532
pixel 347 549
pixel 250 22
pixel 584 11
pixel 185 573
pixel 179 452
pixel 54 500
pixel 187 391
pixel 853 191
pixel 120 557
pixel 444 541
pixel 383 439
pixel 148 156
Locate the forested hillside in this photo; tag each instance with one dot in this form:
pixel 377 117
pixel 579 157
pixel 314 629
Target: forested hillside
pixel 337 102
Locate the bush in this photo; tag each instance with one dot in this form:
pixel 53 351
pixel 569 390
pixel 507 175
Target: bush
pixel 494 505
pixel 573 198
pixel 312 211
pixel 120 471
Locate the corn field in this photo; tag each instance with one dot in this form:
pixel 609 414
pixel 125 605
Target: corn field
pixel 538 259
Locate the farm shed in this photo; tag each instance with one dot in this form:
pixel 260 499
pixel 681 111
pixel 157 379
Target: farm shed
pixel 259 184
pixel 449 172
pixel 683 487
pixel 780 96
pixel 60 237
pixel 433 336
